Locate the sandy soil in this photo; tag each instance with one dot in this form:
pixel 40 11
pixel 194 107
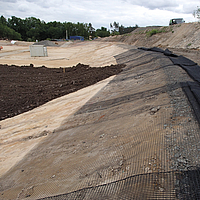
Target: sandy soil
pixel 97 136
pixel 108 131
pixel 14 131
pixel 18 135
pixel 27 87
pixel 182 36
pixel 93 53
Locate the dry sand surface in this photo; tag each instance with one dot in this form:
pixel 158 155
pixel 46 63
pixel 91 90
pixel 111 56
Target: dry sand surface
pixel 186 35
pixel 95 54
pixel 183 39
pixel 43 120
pixel 16 132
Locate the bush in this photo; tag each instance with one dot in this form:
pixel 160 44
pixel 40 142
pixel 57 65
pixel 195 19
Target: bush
pixel 153 32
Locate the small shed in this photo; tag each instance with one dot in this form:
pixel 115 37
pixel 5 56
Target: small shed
pixel 76 38
pixel 38 51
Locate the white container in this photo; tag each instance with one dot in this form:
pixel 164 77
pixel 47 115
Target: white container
pixel 38 51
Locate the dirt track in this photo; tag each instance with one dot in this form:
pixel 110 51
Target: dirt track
pixel 185 36
pixel 95 54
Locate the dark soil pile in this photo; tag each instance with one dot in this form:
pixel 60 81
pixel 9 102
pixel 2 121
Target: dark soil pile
pixel 26 87
pixel 46 43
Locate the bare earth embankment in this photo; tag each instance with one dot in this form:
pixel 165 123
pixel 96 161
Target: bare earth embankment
pixel 183 39
pixel 133 135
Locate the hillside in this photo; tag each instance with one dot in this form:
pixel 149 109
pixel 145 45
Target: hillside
pixel 185 35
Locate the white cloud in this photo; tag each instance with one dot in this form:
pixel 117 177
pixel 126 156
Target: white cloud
pixel 155 4
pixel 101 12
pixel 23 7
pixel 10 1
pixel 181 6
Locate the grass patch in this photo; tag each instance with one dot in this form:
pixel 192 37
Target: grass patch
pixel 153 32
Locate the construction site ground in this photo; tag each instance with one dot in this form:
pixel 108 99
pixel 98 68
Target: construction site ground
pixel 133 135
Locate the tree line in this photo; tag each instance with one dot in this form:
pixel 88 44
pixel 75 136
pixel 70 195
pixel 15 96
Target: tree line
pixel 32 29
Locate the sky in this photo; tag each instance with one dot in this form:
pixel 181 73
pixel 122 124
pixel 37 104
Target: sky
pixel 102 12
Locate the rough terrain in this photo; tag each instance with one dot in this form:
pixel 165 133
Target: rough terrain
pixel 186 35
pixel 67 54
pixel 133 135
pixel 27 87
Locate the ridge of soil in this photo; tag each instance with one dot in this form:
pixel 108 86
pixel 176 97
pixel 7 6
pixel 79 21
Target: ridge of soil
pixel 186 36
pixel 46 43
pixel 27 87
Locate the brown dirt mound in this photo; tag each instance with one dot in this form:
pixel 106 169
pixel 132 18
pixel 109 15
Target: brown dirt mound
pixel 26 87
pixel 186 35
pixel 46 43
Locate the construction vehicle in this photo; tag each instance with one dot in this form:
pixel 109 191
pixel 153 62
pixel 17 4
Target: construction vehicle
pixel 176 21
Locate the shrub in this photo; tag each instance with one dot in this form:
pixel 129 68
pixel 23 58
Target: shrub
pixel 153 32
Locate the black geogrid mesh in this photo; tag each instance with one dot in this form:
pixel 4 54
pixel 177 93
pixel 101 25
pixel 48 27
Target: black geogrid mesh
pixel 179 185
pixel 157 161
pixel 183 181
pixel 192 89
pixel 143 186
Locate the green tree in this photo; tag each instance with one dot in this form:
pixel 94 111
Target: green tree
pixel 114 28
pixel 82 30
pixel 196 13
pixel 8 33
pixel 18 25
pixel 124 30
pixel 103 32
pixel 55 30
pixel 68 26
pixel 34 27
pixel 3 20
pixel 91 31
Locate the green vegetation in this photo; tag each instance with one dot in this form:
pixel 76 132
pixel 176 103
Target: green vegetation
pixel 196 13
pixel 6 32
pixel 120 30
pixel 32 29
pixel 125 30
pixel 155 31
pixel 171 29
pixel 103 32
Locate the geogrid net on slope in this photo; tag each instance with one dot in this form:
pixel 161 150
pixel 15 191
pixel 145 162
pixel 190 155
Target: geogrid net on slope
pixel 181 146
pixel 145 132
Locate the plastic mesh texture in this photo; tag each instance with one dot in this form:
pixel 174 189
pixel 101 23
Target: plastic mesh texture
pixel 137 138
